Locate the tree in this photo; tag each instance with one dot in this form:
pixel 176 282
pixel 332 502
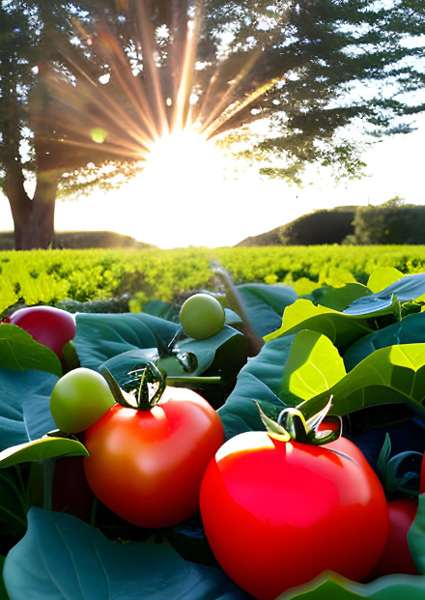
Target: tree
pixel 281 79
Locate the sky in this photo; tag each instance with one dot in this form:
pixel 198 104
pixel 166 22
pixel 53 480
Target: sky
pixel 182 199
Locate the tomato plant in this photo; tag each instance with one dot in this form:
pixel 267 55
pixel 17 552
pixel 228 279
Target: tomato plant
pixel 396 557
pixel 201 316
pixel 50 326
pixel 147 460
pixel 79 399
pixel 278 512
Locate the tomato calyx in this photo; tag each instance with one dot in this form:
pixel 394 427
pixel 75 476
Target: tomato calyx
pixel 292 425
pixel 142 389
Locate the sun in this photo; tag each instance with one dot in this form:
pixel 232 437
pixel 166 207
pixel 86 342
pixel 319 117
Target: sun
pixel 184 160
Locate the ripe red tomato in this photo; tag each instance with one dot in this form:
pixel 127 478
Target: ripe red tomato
pixel 277 514
pixel 50 326
pixel 396 557
pixel 147 465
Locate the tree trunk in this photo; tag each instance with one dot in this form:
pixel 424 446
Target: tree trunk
pixel 39 228
pixel 33 219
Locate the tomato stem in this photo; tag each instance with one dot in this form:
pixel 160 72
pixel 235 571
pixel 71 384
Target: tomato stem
pixel 151 388
pixel 293 425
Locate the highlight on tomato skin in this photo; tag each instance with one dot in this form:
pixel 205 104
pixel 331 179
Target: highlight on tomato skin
pixel 147 465
pixel 277 514
pixel 48 325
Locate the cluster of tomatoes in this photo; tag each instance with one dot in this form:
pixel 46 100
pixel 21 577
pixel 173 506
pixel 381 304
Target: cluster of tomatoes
pixel 277 512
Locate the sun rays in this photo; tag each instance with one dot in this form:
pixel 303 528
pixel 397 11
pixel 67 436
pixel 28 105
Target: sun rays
pixel 136 93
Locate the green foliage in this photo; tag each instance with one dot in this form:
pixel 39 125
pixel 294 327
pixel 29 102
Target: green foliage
pixel 51 276
pixel 93 566
pixel 319 227
pixel 390 223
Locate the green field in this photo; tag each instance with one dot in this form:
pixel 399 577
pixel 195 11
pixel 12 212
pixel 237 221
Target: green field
pixel 48 276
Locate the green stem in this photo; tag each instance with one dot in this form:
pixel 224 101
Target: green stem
pixel 180 380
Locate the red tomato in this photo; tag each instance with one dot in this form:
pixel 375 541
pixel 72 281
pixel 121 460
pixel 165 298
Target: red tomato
pixel 147 465
pixel 50 326
pixel 277 514
pixel 396 557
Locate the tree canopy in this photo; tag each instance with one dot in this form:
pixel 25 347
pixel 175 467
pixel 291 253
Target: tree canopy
pixel 87 88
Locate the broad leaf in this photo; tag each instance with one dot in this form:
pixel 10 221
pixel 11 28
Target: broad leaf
pixel 313 366
pixel 288 370
pixel 46 447
pixel 343 330
pixel 382 278
pixel 224 352
pixel 410 330
pixel 338 298
pixel 260 380
pixel 63 557
pixel 331 586
pixel 100 337
pixel 24 406
pixel 19 350
pixel 406 289
pixel 390 375
pixel 373 306
pixel 264 305
pixel 240 414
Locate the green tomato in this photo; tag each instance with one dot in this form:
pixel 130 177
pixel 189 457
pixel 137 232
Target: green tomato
pixel 79 399
pixel 202 316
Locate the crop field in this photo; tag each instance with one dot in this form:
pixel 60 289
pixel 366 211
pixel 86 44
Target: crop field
pixel 50 276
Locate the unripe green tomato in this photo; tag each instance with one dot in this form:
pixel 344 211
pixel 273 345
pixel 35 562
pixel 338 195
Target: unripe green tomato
pixel 79 399
pixel 202 316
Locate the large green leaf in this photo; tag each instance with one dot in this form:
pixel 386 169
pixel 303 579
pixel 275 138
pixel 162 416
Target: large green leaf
pixel 338 298
pixel 343 330
pixel 408 288
pixel 288 370
pixel 313 366
pixel 19 350
pixel 46 447
pixel 260 379
pixel 394 374
pixel 224 352
pixel 63 557
pixel 382 278
pixel 24 406
pixel 410 330
pixel 264 304
pixel 100 337
pixel 329 585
